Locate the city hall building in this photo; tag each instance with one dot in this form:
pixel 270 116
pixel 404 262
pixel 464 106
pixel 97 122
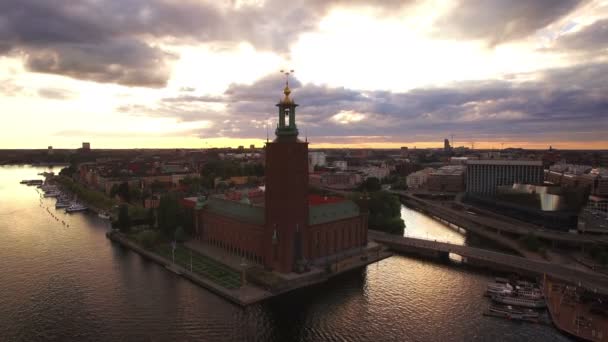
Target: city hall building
pixel 282 227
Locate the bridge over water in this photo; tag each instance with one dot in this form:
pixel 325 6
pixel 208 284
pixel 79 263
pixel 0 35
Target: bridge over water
pixel 493 260
pixel 492 227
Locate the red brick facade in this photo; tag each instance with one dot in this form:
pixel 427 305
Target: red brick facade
pixel 246 239
pixel 238 237
pixel 337 236
pixel 282 239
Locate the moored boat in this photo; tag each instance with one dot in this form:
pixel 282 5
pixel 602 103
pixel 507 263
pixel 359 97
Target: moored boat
pixel 508 309
pixel 61 204
pixel 75 207
pixel 519 301
pixel 52 194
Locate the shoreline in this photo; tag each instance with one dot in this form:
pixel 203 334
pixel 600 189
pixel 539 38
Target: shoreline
pixel 248 294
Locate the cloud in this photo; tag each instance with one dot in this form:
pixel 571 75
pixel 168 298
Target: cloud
pixel 563 103
pixel 113 40
pixel 591 38
pixel 55 93
pixel 8 87
pixel 499 21
pixel 346 117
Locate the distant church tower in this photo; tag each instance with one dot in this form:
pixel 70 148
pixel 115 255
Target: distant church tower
pixel 286 194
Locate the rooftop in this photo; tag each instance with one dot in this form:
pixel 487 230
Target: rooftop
pixel 505 162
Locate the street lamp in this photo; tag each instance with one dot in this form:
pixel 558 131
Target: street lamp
pixel 243 272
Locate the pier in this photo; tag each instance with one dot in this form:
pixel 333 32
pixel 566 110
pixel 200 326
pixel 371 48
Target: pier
pixel 493 260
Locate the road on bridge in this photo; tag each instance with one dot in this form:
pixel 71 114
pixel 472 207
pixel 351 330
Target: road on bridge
pixel 590 280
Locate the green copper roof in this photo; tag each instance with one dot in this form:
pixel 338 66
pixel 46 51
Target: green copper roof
pixel 318 214
pixel 236 210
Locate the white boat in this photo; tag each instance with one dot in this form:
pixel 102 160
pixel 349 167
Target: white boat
pixel 61 204
pixel 52 194
pixel 104 215
pixel 74 207
pixel 530 293
pixel 499 288
pixel 519 301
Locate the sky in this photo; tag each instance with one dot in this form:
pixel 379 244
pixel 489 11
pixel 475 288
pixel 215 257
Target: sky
pixel 383 74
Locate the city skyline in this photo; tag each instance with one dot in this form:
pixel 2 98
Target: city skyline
pixel 367 74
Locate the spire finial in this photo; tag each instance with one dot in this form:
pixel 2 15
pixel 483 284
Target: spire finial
pixel 287 73
pixel 287 91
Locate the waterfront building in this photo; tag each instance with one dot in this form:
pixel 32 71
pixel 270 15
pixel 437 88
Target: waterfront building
pixel 458 160
pixel 315 158
pixel 484 176
pixel 289 229
pixel 341 165
pixel 597 180
pixel 370 171
pixel 86 146
pixel 447 178
pixel 417 179
pixel 336 180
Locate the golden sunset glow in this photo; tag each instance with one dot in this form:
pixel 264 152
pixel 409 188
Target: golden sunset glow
pixel 415 73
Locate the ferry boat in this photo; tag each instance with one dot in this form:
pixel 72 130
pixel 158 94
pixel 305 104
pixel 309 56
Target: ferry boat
pixel 74 207
pixel 519 301
pixel 510 310
pixel 529 293
pixel 510 316
pixel 498 288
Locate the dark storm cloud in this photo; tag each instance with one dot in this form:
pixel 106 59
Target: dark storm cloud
pixel 567 103
pixel 589 39
pixel 499 21
pixel 108 40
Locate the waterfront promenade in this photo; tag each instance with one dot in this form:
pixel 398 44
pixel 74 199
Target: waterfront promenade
pixel 494 260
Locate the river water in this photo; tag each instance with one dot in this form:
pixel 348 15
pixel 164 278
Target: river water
pixel 62 280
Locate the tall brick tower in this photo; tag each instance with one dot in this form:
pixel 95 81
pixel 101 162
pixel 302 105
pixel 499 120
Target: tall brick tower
pixel 286 191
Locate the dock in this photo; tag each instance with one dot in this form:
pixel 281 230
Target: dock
pixel 572 311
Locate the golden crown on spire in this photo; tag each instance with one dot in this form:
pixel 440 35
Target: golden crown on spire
pixel 287 91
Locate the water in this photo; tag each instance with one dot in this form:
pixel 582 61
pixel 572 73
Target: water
pixel 61 283
pixel 424 227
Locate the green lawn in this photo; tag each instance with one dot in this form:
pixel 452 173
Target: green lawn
pixel 202 265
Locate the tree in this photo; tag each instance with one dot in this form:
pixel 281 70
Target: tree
pixel 123 191
pixel 135 194
pixel 114 191
pixel 180 234
pixel 168 214
pixel 157 186
pixel 193 184
pixel 371 184
pixel 150 218
pixel 68 171
pixel 400 184
pixel 124 221
pixel 385 213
